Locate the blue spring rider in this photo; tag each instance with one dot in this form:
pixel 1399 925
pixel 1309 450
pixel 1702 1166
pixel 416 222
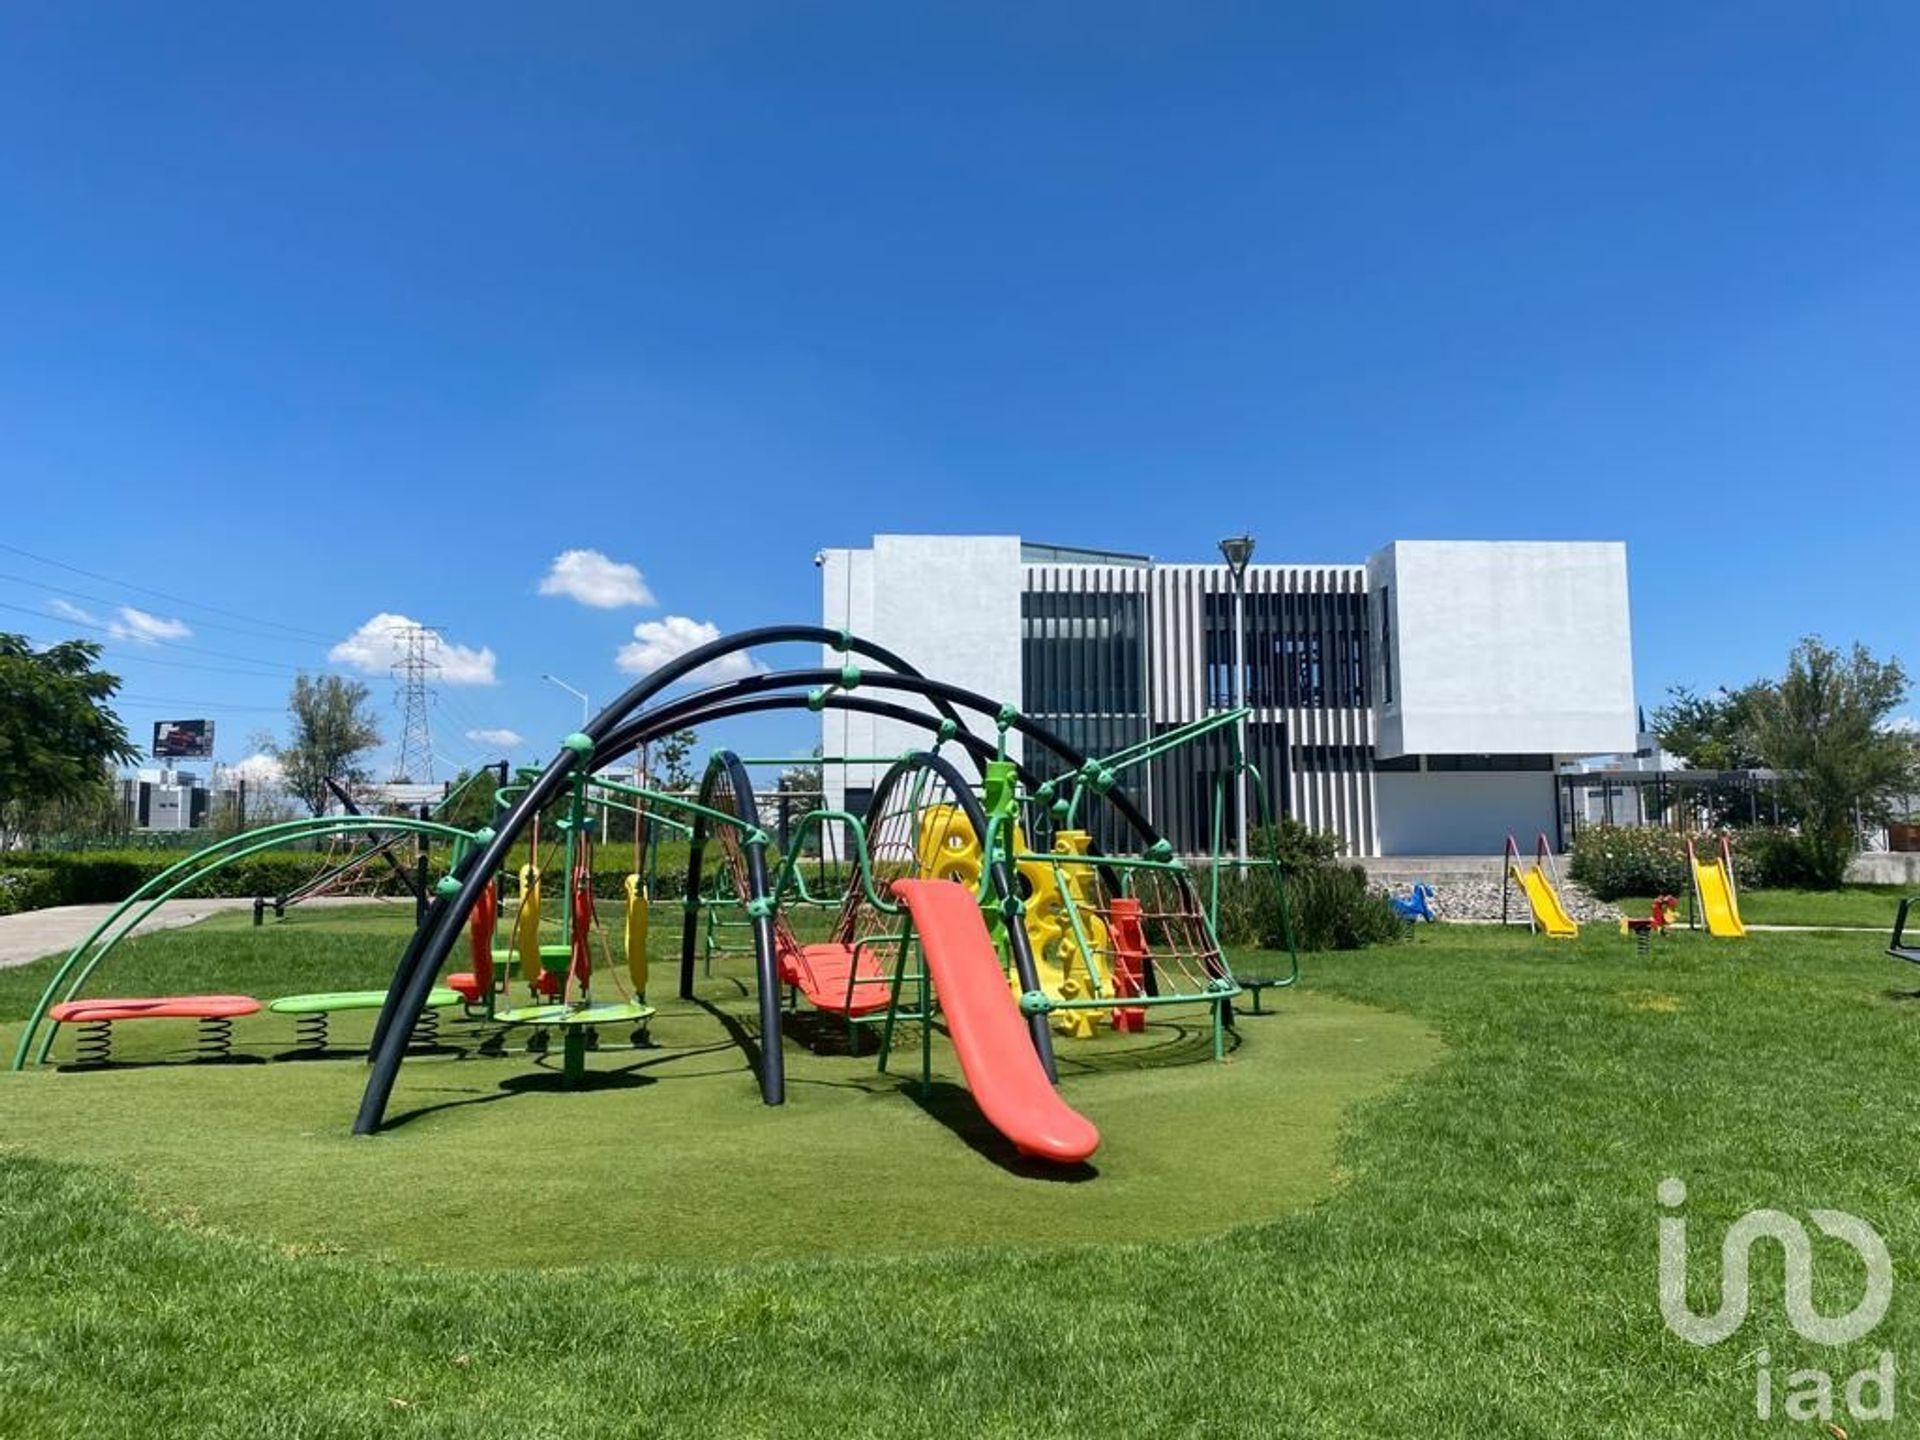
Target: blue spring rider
pixel 1417 906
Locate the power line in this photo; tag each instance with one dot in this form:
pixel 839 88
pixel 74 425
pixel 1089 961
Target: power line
pixel 166 595
pixel 61 590
pixel 109 631
pixel 178 703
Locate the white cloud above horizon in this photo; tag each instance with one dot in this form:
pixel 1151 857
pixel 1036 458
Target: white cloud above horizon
pixel 501 738
pixel 658 642
pixel 139 625
pixel 377 646
pixel 593 579
pixel 260 769
pixel 127 623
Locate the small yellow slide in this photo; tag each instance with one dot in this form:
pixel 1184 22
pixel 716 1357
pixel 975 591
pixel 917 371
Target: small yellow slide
pixel 1718 904
pixel 1549 915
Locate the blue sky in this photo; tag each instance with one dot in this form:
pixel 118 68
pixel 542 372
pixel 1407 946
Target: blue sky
pixel 311 318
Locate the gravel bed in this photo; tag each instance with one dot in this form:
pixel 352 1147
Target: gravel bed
pixel 1479 900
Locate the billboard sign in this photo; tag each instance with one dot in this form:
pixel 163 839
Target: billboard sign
pixel 183 739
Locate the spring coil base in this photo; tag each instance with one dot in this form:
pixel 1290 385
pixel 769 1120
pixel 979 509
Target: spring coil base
pixel 311 1030
pixel 216 1039
pixel 94 1046
pixel 426 1031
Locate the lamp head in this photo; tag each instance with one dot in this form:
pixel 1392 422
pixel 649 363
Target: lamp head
pixel 1237 551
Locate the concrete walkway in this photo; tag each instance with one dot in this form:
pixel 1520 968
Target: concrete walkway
pixel 54 931
pixel 1804 929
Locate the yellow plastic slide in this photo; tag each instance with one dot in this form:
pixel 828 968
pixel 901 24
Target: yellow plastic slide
pixel 1549 915
pixel 1717 902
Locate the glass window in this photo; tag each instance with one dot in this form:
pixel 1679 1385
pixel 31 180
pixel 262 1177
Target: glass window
pixel 1082 654
pixel 1303 651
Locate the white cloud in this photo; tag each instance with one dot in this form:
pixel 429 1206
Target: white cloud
pixel 139 625
pixel 126 624
pixel 655 642
pixel 380 644
pixel 260 769
pixel 591 578
pixel 498 739
pixel 1905 725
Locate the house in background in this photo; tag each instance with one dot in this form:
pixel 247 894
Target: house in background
pixel 1417 703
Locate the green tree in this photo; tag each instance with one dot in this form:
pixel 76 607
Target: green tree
pixel 1712 732
pixel 58 735
pixel 806 777
pixel 1715 733
pixel 472 804
pixel 333 728
pixel 671 757
pixel 1827 728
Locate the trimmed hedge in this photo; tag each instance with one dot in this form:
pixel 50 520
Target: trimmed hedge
pixel 106 877
pixel 33 880
pixel 27 890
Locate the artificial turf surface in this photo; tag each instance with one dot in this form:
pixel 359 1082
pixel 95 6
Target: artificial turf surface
pixel 668 1152
pixel 1473 1255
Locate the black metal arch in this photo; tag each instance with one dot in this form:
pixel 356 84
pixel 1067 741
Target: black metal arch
pixel 773 1065
pixel 433 940
pixel 941 693
pixel 980 749
pixel 616 730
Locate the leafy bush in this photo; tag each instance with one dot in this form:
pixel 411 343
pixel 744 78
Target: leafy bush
pixel 1769 855
pixel 1335 908
pixel 1620 861
pixel 1332 908
pixel 1296 846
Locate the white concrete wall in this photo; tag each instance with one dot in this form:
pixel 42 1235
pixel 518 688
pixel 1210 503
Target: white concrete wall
pixel 846 603
pixel 1462 812
pixel 947 604
pixel 1505 647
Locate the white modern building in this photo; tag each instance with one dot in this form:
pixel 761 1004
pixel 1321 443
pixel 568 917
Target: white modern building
pixel 1419 703
pixel 164 798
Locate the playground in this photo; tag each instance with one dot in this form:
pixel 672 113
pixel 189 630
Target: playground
pixel 961 1121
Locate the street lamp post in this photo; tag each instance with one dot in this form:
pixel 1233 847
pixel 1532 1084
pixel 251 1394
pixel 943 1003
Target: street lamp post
pixel 586 705
pixel 1237 551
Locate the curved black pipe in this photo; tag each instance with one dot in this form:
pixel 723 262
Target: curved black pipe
pixel 439 933
pixel 998 873
pixel 773 1070
pixel 939 691
pixel 980 749
pixel 669 674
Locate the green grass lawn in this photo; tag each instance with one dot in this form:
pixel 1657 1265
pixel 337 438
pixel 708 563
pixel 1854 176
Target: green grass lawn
pixel 1853 905
pixel 1351 1229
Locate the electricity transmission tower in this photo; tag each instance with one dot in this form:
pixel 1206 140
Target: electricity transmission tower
pixel 413 673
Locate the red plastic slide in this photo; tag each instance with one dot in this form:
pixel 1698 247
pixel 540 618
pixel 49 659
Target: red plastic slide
pixel 996 1052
